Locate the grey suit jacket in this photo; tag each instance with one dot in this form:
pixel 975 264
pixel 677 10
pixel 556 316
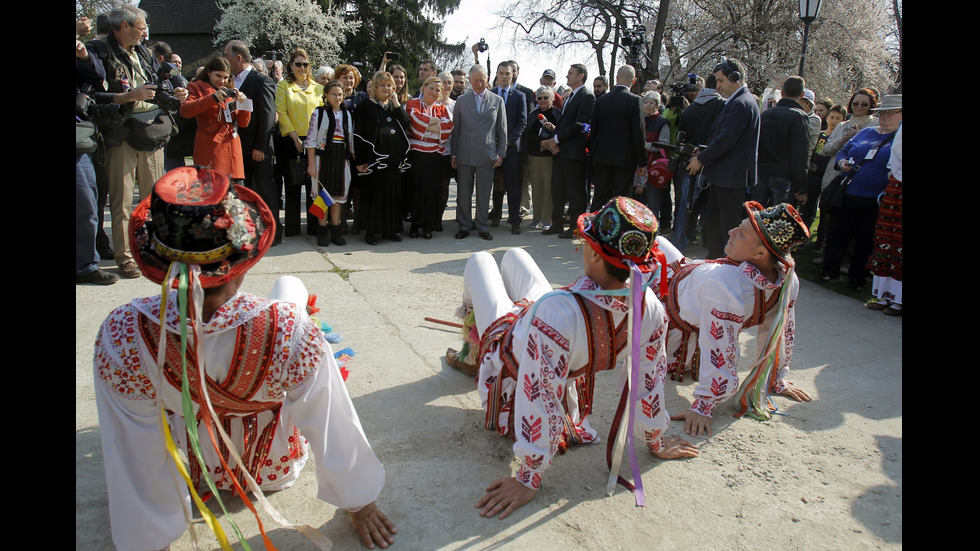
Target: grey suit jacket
pixel 479 137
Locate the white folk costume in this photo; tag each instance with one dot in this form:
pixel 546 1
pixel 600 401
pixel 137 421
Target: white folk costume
pixel 723 298
pixel 540 350
pixel 271 377
pixel 714 300
pixel 274 381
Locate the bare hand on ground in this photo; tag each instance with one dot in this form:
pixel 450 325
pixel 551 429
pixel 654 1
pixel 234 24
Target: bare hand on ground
pixel 675 448
pixel 695 424
pixel 795 393
pixel 373 526
pixel 506 495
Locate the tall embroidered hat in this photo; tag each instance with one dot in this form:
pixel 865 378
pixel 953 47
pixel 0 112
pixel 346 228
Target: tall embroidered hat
pixel 623 229
pixel 780 227
pixel 195 216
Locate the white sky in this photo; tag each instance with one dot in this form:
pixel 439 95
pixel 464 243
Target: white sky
pixel 475 19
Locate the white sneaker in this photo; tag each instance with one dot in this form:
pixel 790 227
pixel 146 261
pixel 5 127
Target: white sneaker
pixel 535 225
pixel 545 226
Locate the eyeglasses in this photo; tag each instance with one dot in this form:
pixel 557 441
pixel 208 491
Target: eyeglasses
pixel 300 64
pixel 860 104
pixel 542 98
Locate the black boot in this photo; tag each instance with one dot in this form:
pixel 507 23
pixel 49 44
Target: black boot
pixel 322 238
pixel 335 237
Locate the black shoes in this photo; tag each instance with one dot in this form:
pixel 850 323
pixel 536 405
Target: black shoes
pixel 567 234
pixel 553 230
pixel 515 230
pixel 462 234
pixel 486 236
pixel 97 277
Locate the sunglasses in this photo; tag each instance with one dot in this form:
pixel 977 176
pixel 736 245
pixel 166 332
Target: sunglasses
pixel 542 98
pixel 300 64
pixel 860 104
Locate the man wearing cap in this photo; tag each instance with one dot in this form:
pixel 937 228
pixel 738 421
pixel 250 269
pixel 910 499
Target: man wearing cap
pixel 807 103
pixel 541 349
pixel 271 379
pixel 548 78
pixel 714 300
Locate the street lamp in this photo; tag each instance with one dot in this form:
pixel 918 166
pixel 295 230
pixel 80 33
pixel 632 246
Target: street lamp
pixel 808 13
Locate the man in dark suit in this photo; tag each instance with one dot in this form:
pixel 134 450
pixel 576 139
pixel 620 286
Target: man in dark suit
pixel 729 160
pixel 515 105
pixel 617 142
pixel 568 172
pixel 256 138
pixel 479 145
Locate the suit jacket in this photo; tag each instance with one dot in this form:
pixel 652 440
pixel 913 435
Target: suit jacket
pixel 733 150
pixel 528 97
pixel 479 137
pixel 576 113
pixel 617 137
pixel 516 116
pixel 258 134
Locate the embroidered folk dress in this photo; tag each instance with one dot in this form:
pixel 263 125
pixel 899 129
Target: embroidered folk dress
pixel 716 300
pixel 301 388
pixel 539 389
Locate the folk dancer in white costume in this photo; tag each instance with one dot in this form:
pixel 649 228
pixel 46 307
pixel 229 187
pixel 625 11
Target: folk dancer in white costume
pixel 271 377
pixel 540 349
pixel 714 300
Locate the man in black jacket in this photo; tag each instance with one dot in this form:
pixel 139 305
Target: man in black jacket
pixel 128 65
pixel 256 138
pixel 784 138
pixel 617 140
pixel 568 173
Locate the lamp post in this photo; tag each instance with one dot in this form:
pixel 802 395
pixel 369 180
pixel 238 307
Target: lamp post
pixel 808 13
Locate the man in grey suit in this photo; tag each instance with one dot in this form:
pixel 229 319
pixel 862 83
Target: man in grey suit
pixel 479 145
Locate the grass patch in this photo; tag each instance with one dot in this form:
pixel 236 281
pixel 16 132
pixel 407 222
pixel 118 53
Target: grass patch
pixel 344 274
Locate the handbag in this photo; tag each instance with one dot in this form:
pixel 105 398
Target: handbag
pixel 86 137
pixel 151 130
pixel 298 174
pixel 832 198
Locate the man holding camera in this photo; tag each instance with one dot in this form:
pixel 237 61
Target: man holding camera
pixel 129 65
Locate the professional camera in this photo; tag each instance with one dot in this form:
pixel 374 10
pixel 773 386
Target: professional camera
pixel 482 45
pixel 633 39
pixel 679 89
pixel 229 92
pixel 164 96
pixel 680 153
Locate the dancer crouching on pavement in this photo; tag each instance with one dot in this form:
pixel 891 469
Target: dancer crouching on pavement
pixel 541 349
pixel 755 285
pixel 270 374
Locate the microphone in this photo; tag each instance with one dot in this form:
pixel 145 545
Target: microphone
pixel 541 117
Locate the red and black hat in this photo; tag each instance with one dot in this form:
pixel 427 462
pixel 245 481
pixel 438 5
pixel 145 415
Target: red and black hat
pixel 780 227
pixel 195 216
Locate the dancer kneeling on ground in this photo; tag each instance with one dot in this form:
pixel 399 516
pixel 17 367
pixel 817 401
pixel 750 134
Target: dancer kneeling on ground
pixel 539 354
pixel 755 285
pixel 271 379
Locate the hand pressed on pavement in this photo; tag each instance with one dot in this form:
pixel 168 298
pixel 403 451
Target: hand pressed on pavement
pixel 675 448
pixel 695 424
pixel 506 495
pixel 795 392
pixel 373 526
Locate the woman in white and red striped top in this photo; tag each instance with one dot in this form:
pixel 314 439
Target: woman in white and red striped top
pixel 430 129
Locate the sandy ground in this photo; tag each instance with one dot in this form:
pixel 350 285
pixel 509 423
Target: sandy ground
pixel 826 475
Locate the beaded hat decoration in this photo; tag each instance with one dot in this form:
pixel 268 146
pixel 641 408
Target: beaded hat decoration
pixel 195 216
pixel 780 227
pixel 623 229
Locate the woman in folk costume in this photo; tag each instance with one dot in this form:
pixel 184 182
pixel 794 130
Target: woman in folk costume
pixel 540 350
pixel 256 374
pixel 330 147
pixel 714 300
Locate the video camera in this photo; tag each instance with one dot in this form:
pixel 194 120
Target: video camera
pixel 633 39
pixel 679 89
pixel 680 153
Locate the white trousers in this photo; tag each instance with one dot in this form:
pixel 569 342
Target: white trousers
pixel 492 292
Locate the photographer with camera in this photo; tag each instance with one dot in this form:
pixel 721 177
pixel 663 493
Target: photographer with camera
pixel 134 150
pixel 216 107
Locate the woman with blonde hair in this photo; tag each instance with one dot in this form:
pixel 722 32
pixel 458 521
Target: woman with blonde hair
pixel 297 95
pixel 381 153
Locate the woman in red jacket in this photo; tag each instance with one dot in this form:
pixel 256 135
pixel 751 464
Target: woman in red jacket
pixel 213 102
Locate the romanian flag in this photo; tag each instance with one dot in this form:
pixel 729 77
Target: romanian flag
pixel 320 204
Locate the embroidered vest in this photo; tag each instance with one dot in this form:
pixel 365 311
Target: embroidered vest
pixel 760 308
pixel 605 340
pixel 251 360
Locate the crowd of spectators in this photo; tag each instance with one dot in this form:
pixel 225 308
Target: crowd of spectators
pixel 384 147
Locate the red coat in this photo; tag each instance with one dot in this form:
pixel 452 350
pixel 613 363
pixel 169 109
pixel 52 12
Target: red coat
pixel 214 145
